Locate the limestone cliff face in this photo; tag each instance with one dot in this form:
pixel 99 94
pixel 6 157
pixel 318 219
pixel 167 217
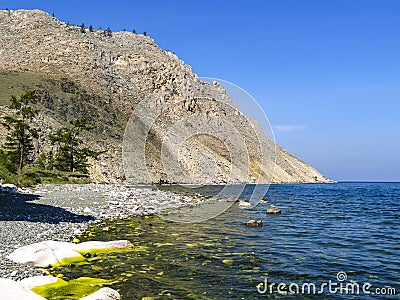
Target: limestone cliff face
pixel 104 78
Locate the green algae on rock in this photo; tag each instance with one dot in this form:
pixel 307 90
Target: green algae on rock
pixel 54 254
pixel 73 289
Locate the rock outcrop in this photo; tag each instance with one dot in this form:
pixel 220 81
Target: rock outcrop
pixel 105 78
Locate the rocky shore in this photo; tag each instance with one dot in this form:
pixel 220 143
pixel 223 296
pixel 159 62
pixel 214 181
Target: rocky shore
pixel 58 212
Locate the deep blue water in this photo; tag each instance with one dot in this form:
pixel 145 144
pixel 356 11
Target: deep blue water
pixel 329 228
pixel 323 229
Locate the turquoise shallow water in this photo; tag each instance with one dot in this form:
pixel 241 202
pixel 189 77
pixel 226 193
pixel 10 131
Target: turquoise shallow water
pixel 323 229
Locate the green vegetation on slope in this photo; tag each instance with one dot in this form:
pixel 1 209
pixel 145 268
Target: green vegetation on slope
pixel 64 100
pixel 19 147
pixel 66 162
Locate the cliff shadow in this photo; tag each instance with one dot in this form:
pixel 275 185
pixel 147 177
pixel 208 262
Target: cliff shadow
pixel 18 207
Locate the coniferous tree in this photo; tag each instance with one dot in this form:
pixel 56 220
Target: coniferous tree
pixel 144 33
pixel 70 155
pixel 90 28
pixel 133 30
pixel 83 28
pixel 19 141
pixel 109 32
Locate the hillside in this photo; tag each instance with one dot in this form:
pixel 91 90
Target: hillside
pixel 105 78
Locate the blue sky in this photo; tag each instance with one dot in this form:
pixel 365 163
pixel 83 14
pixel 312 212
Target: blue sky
pixel 327 73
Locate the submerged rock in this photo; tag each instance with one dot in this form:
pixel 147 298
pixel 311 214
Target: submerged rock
pixel 103 294
pixel 273 210
pixel 24 290
pixel 80 288
pixel 99 245
pixel 254 223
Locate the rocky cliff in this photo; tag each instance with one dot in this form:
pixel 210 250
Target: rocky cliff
pixel 183 129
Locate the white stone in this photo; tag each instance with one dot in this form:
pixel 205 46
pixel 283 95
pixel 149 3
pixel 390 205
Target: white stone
pixel 47 253
pixel 32 282
pixel 11 290
pixel 44 253
pixel 87 210
pixel 103 294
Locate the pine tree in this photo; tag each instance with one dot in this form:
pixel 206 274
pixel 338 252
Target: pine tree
pixel 90 28
pixel 83 28
pixel 144 33
pixel 109 32
pixel 133 30
pixel 19 140
pixel 70 156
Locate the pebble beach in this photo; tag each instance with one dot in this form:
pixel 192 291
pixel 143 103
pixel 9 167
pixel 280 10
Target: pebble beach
pixel 58 212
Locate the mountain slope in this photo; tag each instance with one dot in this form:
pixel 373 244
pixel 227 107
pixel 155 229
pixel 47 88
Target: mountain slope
pixel 105 78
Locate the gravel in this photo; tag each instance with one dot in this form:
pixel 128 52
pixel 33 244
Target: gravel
pixel 58 212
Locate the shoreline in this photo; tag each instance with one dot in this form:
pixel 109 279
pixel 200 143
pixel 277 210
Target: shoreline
pixel 60 212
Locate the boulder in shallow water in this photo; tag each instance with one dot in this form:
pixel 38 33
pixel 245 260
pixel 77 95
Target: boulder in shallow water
pixel 99 245
pixel 273 210
pixel 103 294
pixel 45 253
pixel 12 290
pixel 254 223
pixel 244 204
pixel 54 253
pixel 35 281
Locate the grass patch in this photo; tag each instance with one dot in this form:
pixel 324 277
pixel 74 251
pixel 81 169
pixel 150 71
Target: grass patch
pixel 64 100
pixel 17 83
pixel 30 177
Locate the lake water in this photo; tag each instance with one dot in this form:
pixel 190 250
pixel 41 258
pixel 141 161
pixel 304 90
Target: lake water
pixel 324 229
